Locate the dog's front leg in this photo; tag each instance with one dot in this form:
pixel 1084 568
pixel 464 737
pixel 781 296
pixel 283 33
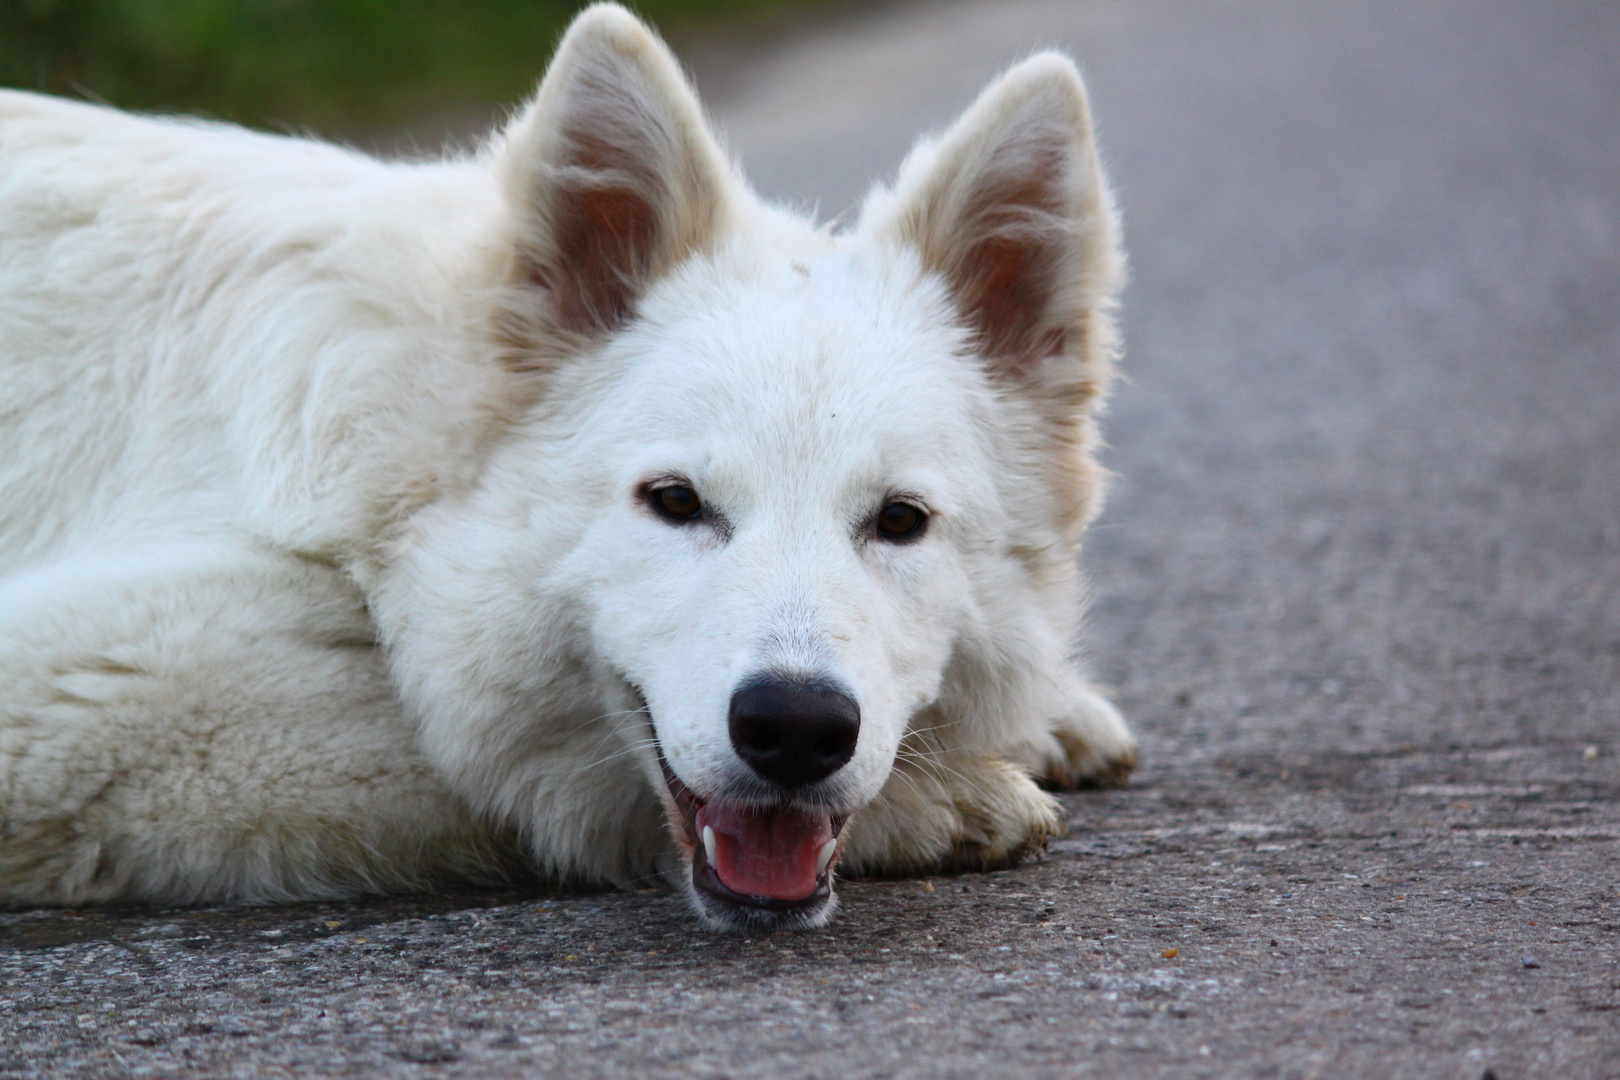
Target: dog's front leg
pixel 1087 745
pixel 949 810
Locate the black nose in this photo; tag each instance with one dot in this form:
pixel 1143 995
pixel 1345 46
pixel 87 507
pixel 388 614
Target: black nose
pixel 794 733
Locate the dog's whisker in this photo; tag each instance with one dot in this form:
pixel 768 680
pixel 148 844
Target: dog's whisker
pixel 934 764
pixel 634 748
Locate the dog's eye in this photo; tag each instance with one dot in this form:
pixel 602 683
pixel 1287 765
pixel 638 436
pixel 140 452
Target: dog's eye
pixel 676 503
pixel 900 521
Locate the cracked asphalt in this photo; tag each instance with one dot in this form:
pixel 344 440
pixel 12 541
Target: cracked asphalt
pixel 1358 588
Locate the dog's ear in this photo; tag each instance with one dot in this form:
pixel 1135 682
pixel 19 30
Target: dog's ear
pixel 612 171
pixel 1010 207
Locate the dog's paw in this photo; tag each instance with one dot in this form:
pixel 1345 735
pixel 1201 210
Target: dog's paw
pixel 956 812
pixel 1001 821
pixel 1089 746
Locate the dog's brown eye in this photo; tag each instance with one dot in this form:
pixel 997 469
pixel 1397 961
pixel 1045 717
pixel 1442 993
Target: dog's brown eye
pixel 900 521
pixel 676 503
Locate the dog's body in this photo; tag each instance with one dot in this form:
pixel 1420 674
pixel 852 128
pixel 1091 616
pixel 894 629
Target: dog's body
pixel 366 525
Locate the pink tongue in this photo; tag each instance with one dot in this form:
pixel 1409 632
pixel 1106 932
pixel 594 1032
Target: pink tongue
pixel 769 853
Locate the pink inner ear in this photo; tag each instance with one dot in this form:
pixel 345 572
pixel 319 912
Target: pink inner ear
pixel 1000 297
pixel 1006 289
pixel 604 242
pixel 1005 277
pixel 605 227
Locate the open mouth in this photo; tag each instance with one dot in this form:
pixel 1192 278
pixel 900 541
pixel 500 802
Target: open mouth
pixel 766 866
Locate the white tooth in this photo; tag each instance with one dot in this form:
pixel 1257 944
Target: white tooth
pixel 826 854
pixel 708 843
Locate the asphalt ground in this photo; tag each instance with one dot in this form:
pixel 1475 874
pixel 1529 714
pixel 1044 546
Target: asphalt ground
pixel 1358 589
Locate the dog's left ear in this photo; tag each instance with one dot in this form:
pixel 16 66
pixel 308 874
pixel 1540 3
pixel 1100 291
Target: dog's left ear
pixel 1011 209
pixel 612 172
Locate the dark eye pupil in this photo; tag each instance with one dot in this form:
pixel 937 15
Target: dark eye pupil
pixel 899 519
pixel 680 503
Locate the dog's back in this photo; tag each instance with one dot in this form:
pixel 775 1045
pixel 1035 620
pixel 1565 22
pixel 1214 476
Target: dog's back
pixel 172 291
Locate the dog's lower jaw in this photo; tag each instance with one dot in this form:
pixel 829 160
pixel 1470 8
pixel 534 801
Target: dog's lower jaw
pixel 720 915
pixel 744 914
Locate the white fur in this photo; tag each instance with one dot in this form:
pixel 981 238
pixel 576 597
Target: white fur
pixel 322 563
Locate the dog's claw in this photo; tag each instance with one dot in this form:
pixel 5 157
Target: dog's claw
pixel 1092 771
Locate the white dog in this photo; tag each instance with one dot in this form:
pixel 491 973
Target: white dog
pixel 368 525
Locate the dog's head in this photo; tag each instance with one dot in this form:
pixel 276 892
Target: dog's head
pixel 775 492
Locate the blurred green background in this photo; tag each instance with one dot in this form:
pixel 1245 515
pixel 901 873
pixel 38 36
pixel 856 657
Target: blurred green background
pixel 333 65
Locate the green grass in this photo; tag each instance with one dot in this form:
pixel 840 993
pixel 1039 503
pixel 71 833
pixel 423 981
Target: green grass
pixel 306 63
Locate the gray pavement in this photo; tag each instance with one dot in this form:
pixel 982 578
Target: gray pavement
pixel 1358 588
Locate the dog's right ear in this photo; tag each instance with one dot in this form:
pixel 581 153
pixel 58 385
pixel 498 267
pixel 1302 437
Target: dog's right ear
pixel 612 172
pixel 1010 209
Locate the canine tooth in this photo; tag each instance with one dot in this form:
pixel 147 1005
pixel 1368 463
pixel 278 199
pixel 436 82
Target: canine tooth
pixel 708 843
pixel 825 855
